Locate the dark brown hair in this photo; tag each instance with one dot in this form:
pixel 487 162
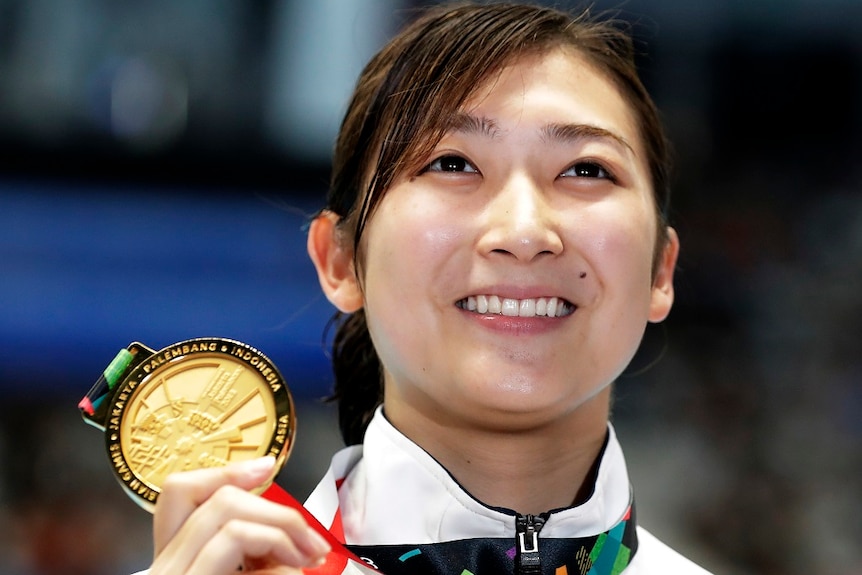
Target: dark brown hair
pixel 399 111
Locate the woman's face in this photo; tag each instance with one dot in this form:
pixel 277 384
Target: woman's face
pixel 509 279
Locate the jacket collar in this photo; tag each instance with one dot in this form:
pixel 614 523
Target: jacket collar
pixel 390 491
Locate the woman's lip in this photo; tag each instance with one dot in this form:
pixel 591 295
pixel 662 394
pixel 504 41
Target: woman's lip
pixel 551 307
pixel 515 326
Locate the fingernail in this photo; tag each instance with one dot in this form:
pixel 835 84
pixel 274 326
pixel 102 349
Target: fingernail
pixel 258 466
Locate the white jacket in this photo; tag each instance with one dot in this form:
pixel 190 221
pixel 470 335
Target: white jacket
pixel 393 492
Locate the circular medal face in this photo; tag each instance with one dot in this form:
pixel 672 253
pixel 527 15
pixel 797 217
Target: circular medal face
pixel 198 403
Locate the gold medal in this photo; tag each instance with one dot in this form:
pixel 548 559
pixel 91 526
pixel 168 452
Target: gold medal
pixel 195 404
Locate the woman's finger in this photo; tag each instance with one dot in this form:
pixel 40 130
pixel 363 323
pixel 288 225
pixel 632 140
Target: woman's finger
pixel 261 548
pixel 241 542
pixel 230 503
pixel 183 493
pixel 209 518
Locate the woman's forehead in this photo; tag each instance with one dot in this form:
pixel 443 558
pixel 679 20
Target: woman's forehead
pixel 561 91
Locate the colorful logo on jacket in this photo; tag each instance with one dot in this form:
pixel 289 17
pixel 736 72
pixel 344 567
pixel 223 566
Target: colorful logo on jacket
pixel 605 554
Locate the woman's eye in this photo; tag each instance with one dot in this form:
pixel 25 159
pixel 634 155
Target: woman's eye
pixel 451 164
pixel 587 170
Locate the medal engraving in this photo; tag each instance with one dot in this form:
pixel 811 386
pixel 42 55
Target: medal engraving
pixel 196 404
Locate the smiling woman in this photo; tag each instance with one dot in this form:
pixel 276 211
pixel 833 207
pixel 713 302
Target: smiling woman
pixel 517 223
pixel 495 242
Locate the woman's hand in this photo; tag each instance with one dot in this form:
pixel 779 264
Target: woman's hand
pixel 206 522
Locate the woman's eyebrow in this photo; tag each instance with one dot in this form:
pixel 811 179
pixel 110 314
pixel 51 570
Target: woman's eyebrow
pixel 470 124
pixel 577 132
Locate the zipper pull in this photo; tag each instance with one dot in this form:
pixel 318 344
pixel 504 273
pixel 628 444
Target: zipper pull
pixel 527 559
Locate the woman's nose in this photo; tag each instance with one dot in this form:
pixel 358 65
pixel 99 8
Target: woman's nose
pixel 519 222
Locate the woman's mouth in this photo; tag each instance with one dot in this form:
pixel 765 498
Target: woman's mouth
pixel 531 307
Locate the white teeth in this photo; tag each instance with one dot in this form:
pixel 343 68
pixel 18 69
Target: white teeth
pixel 541 306
pixel 511 307
pixel 481 304
pixel 492 304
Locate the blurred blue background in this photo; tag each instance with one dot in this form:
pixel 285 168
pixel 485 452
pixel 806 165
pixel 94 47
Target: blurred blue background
pixel 90 268
pixel 158 163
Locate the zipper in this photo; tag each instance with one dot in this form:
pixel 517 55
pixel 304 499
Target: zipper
pixel 527 558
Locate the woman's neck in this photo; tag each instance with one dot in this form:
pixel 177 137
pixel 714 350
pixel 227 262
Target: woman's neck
pixel 528 470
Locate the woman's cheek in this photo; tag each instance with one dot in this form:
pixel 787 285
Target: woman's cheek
pixel 620 250
pixel 441 240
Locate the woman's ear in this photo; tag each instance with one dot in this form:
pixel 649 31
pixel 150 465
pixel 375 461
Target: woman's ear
pixel 662 289
pixel 333 259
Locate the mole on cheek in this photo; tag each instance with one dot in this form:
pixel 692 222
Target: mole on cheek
pixel 583 275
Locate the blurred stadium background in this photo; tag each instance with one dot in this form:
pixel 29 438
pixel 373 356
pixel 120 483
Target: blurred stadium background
pixel 158 161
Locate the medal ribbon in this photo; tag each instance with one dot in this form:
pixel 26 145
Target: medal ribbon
pixel 339 556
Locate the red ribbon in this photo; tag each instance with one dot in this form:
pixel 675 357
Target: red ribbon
pixel 338 557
